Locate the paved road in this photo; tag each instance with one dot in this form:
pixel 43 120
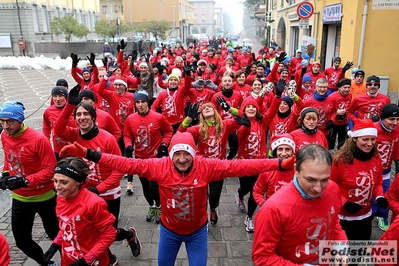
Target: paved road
pixel 229 243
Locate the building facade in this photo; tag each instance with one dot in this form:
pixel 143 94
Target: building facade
pixel 20 27
pixel 204 21
pixel 359 31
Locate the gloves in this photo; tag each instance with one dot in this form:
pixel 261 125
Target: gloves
pixel 280 87
pixel 94 190
pixel 223 104
pixel 382 202
pixel 163 150
pixel 303 70
pixel 79 262
pixel 375 118
pixel 187 70
pixel 91 59
pixel 105 61
pixel 244 121
pixel 137 73
pixel 286 164
pixel 147 57
pixel 13 182
pixel 134 55
pixel 352 207
pixel 129 151
pixel 291 91
pixel 122 45
pixel 329 125
pixel 51 252
pixel 199 73
pixel 282 57
pixel 75 60
pixel 73 96
pixel 193 110
pixel 78 150
pixel 347 66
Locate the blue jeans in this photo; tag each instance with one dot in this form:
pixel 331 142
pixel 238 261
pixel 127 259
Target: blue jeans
pixel 196 246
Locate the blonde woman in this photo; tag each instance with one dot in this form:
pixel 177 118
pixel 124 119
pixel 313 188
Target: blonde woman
pixel 211 134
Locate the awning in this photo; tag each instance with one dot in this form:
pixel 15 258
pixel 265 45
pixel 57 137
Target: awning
pixel 261 12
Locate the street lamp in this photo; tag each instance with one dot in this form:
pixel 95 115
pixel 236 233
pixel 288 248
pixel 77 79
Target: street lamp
pixel 174 20
pixel 161 8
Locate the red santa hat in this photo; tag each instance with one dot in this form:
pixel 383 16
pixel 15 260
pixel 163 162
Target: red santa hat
pixel 182 142
pixel 121 80
pixel 285 138
pixel 363 127
pixel 248 101
pixel 202 61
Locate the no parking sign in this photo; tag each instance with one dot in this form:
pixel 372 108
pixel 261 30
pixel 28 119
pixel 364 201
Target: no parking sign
pixel 305 10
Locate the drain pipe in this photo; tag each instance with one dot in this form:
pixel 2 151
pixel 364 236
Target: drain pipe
pixel 363 33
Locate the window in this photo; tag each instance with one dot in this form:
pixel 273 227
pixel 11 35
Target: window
pixel 282 3
pixel 203 29
pixel 121 8
pixel 291 2
pixel 202 18
pixel 88 21
pixel 57 12
pixel 80 17
pixel 203 7
pixel 274 4
pixel 35 18
pixel 195 17
pixel 44 19
pixel 64 11
pixel 115 9
pixel 105 9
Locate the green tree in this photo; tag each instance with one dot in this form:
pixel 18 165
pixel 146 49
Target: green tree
pixel 69 26
pixel 252 5
pixel 157 28
pixel 107 29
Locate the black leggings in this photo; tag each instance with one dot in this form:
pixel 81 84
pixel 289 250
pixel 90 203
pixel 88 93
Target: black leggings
pixel 22 218
pixel 114 207
pixel 233 145
pixel 247 184
pixel 150 191
pixel 339 130
pixel 215 190
pixel 359 229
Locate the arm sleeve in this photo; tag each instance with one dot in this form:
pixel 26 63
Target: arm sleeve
pixel 115 176
pixel 103 221
pixel 46 126
pixel 113 128
pixel 268 232
pixel 77 77
pixel 260 189
pixel 61 128
pixel 271 113
pixel 45 156
pixel 128 136
pixel 167 130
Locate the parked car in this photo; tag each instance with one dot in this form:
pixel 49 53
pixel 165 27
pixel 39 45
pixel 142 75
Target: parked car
pixel 247 42
pixel 234 37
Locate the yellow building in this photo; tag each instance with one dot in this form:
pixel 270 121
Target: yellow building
pixel 362 31
pixel 179 13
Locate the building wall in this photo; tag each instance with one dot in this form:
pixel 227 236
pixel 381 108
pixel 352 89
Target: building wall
pixel 33 17
pixel 380 41
pixel 203 17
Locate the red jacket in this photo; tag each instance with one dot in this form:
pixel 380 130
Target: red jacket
pixel 105 179
pixel 333 77
pixel 50 117
pixel 287 124
pixel 146 133
pixel 289 227
pixel 4 254
pixel 358 182
pixel 120 107
pixel 392 196
pixel 172 102
pixel 339 102
pixel 269 183
pixel 212 148
pixel 324 108
pixel 86 228
pixel 366 106
pixel 301 139
pixel 183 195
pixel 234 101
pixel 105 121
pixel 30 155
pixel 387 146
pixel 76 74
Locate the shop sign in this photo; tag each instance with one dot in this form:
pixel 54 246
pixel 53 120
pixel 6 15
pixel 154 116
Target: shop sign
pixel 332 13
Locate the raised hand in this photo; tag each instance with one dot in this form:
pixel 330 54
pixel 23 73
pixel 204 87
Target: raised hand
pixel 73 95
pixel 223 104
pixel 75 60
pixel 91 59
pixel 193 110
pixel 280 87
pixel 347 66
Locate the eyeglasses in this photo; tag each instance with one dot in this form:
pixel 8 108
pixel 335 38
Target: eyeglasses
pixel 373 84
pixel 9 122
pixel 202 64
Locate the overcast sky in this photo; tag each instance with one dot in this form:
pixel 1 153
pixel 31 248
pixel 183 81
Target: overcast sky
pixel 235 9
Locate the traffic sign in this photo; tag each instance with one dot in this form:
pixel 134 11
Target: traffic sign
pixel 304 23
pixel 305 10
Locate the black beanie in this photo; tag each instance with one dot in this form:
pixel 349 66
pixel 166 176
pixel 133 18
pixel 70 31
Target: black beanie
pixel 389 110
pixel 337 59
pixel 59 90
pixel 62 82
pixel 374 79
pixel 88 94
pixel 196 56
pixel 344 82
pixel 141 95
